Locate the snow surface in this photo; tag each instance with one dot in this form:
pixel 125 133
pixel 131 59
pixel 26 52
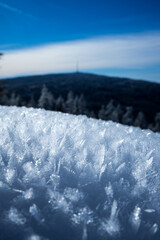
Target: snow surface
pixel 71 177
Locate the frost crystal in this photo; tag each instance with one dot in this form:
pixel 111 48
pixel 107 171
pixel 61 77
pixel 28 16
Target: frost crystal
pixel 135 218
pixel 16 217
pixel 69 177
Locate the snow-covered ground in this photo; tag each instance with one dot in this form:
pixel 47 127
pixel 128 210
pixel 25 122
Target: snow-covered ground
pixel 68 177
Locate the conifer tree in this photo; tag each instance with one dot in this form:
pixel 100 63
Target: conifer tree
pixel 14 100
pixel 140 120
pixel 127 118
pixel 46 99
pixel 32 102
pixel 82 105
pixel 59 104
pixel 157 122
pixel 69 102
pixel 75 106
pixel 101 113
pixel 109 110
pixel 116 115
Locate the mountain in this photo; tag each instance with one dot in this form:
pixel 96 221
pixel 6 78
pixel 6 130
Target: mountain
pixel 98 90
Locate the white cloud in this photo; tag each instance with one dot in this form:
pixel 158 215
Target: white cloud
pixel 117 51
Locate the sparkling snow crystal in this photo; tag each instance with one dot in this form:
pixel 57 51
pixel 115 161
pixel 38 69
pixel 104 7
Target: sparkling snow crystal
pixel 67 177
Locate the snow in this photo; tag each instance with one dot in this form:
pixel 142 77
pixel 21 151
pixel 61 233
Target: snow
pixel 71 177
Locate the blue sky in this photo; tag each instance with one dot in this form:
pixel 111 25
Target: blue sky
pixel 65 32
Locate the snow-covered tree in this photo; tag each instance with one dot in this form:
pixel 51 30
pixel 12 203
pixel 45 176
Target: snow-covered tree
pixel 101 113
pixel 127 118
pixel 75 105
pixel 32 102
pixel 116 115
pixel 140 120
pixel 14 100
pixel 105 113
pixel 109 109
pixel 69 102
pixel 82 105
pixel 59 104
pixel 46 99
pixel 157 122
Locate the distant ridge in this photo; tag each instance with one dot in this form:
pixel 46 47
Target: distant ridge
pixel 54 75
pixel 98 90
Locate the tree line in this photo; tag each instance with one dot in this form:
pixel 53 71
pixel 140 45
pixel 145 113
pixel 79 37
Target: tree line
pixel 77 105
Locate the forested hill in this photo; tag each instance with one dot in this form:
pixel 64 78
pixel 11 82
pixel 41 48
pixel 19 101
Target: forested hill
pixel 98 90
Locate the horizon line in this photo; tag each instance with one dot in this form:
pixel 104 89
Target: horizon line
pixel 75 72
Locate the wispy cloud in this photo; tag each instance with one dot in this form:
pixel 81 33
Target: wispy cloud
pixel 117 52
pixel 12 9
